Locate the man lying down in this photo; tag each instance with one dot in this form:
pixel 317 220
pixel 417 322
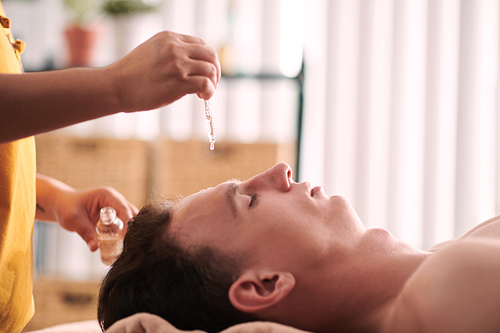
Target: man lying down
pixel 270 249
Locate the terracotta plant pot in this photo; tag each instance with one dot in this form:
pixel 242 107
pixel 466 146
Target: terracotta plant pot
pixel 81 43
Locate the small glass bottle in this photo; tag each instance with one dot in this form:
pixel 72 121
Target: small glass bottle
pixel 109 235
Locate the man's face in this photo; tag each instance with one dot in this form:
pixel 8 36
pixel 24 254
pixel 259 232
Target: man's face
pixel 270 219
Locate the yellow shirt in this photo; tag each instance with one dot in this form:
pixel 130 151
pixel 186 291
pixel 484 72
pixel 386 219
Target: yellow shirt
pixel 17 207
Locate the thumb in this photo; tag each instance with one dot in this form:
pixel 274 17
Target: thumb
pixel 89 235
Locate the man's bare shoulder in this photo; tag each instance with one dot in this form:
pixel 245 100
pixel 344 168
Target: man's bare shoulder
pixel 456 289
pixel 488 229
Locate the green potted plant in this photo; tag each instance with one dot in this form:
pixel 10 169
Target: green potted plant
pixel 81 34
pixel 123 7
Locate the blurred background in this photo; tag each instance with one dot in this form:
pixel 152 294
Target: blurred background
pixel 391 103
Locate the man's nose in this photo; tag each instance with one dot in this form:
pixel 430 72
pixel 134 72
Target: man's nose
pixel 280 176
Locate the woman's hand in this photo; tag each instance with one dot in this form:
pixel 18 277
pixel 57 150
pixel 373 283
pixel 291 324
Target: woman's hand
pixel 163 69
pixel 78 210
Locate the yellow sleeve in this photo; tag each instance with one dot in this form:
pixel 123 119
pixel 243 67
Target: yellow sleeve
pixel 17 207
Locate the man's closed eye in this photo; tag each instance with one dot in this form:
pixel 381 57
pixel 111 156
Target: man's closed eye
pixel 252 200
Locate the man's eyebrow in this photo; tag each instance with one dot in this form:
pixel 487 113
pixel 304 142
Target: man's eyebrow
pixel 231 190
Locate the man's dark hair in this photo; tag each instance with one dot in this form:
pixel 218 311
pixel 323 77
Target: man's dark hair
pixel 155 274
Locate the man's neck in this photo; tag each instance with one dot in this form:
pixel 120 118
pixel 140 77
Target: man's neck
pixel 389 264
pixel 357 294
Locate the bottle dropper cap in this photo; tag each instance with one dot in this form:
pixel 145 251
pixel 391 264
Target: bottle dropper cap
pixel 108 215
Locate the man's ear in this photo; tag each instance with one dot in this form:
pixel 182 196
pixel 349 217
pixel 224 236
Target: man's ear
pixel 254 291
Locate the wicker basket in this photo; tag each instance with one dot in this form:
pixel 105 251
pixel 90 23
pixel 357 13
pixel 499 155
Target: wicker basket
pixel 60 301
pixel 91 162
pixel 136 168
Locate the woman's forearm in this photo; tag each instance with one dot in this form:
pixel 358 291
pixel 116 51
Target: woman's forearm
pixel 34 103
pixel 154 74
pixel 48 192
